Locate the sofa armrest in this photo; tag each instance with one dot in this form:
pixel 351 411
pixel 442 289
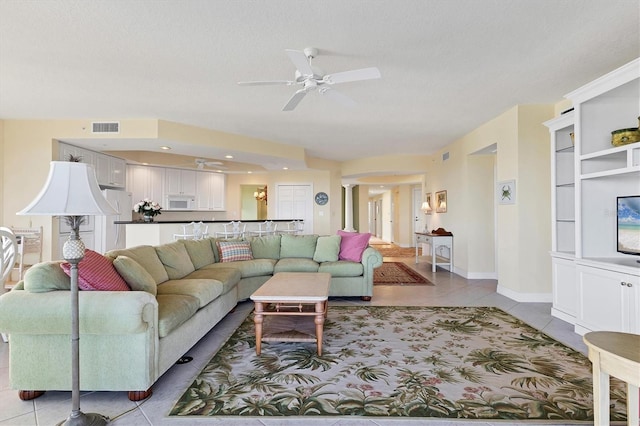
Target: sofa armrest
pixel 371 259
pixel 101 312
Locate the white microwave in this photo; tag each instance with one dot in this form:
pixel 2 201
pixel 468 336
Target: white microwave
pixel 181 202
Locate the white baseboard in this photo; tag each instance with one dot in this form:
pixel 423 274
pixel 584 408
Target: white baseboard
pixel 571 319
pixel 525 297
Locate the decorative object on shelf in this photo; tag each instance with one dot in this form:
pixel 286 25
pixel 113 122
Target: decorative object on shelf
pixel 261 194
pixel 72 190
pixel 573 138
pixel 426 206
pixel 321 198
pixel 148 209
pixel 441 202
pixel 441 231
pixel 625 136
pixel 506 192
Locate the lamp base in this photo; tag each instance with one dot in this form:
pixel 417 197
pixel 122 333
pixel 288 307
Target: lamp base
pixel 84 419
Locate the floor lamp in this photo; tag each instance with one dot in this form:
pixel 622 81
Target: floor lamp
pixel 72 190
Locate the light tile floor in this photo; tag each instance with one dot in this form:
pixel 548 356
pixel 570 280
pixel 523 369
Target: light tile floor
pixel 450 290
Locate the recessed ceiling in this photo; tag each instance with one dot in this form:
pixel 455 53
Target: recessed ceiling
pixel 447 66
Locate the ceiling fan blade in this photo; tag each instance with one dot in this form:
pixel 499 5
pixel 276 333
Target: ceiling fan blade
pixel 301 62
pixel 294 100
pixel 266 83
pixel 337 96
pixel 353 75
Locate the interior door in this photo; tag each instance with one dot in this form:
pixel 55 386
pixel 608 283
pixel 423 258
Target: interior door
pixel 295 202
pixel 418 215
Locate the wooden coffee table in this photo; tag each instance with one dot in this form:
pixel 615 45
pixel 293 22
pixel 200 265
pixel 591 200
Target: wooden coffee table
pixel 292 295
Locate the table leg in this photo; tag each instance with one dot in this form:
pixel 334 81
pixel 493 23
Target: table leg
pixel 600 394
pixel 257 320
pixel 433 256
pixel 321 309
pixel 633 405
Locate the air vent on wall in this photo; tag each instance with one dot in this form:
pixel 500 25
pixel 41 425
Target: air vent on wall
pixel 105 127
pixel 445 156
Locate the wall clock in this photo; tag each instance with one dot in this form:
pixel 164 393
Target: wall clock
pixel 322 198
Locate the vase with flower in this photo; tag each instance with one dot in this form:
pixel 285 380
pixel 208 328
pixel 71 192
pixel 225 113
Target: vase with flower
pixel 148 209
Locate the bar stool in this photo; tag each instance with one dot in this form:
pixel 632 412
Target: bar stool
pixel 198 231
pixel 265 228
pixel 233 229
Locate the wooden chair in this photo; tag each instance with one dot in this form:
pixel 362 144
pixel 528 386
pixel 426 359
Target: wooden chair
pixel 29 248
pixel 233 229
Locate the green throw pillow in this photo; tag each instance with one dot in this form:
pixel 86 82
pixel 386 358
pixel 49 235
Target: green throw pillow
pixel 327 248
pixel 175 259
pixel 135 275
pixel 267 247
pixel 200 252
pixel 298 246
pixel 46 276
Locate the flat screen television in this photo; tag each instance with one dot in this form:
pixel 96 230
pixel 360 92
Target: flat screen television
pixel 628 225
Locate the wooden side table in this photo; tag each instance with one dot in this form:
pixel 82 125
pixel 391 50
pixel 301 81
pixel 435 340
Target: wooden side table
pixel 616 354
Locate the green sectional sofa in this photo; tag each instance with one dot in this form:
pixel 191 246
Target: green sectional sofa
pixel 179 292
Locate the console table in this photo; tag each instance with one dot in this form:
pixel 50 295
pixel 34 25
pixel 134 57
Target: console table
pixel 436 243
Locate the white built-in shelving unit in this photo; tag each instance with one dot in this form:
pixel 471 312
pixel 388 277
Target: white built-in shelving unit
pixel 594 286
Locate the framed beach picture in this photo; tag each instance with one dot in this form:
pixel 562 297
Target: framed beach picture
pixel 506 192
pixel 441 202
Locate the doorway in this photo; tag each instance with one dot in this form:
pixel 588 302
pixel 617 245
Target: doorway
pixel 250 208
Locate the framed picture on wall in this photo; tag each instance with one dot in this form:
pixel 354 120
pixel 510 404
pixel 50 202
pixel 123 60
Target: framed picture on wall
pixel 428 207
pixel 441 202
pixel 506 192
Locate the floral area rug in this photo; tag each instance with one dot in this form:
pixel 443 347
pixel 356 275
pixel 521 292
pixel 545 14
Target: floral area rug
pixel 397 273
pixel 437 362
pixel 392 250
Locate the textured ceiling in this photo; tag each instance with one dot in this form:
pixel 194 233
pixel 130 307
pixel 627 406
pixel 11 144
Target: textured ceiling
pixel 447 65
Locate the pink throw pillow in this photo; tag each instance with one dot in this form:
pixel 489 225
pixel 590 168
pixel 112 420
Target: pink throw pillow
pixel 353 245
pixel 96 272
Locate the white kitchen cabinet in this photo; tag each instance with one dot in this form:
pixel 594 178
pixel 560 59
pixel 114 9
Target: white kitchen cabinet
pixel 607 299
pixel 110 170
pixel 145 182
pixel 180 182
pixel 210 191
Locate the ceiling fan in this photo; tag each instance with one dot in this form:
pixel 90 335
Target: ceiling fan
pixel 201 163
pixel 312 78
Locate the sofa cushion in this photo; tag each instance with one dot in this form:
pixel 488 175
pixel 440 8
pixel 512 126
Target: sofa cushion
pixel 266 247
pixel 295 265
pixel 342 268
pixel 327 248
pixel 147 257
pixel 234 251
pixel 202 289
pixel 135 275
pixel 174 310
pixel 298 246
pixel 228 276
pixel 175 259
pixel 353 245
pixel 46 276
pixel 248 268
pixel 97 273
pixel 200 252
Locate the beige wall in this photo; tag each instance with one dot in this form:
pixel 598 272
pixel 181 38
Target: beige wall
pixel 518 245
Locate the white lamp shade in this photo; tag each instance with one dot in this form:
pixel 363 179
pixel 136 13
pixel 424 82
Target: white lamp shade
pixel 71 190
pixel 426 207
